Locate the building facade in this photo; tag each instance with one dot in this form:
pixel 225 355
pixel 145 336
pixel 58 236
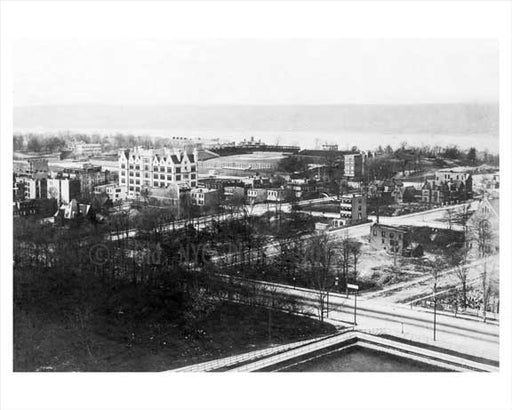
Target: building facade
pixel 156 169
pixel 391 239
pixel 353 208
pixel 115 192
pixel 353 165
pixel 63 189
pixel 204 197
pixel 257 195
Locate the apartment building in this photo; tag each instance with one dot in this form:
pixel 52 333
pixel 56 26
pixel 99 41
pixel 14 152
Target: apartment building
pixel 156 169
pixel 89 176
pixel 353 165
pixel 63 189
pixel 353 208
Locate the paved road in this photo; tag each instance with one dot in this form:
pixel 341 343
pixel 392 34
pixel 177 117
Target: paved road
pixel 468 336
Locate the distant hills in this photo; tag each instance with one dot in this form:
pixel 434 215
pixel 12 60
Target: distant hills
pixel 422 118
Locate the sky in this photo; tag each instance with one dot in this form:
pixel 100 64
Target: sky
pixel 259 71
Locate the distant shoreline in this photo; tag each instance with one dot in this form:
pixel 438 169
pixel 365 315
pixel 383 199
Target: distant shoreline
pixel 305 139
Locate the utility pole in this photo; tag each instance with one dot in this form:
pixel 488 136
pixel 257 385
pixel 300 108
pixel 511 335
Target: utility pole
pixel 435 274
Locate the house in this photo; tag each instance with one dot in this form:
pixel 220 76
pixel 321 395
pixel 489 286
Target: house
pixel 72 210
pixel 391 239
pixel 205 197
pixel 353 208
pixel 115 192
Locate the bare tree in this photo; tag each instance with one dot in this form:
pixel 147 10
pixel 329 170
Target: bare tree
pixel 321 257
pixel 483 237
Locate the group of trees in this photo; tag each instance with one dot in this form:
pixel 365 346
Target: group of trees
pixel 478 244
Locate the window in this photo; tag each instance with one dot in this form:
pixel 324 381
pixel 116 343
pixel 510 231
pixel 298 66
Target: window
pixel 383 241
pixel 146 167
pixel 123 166
pixel 162 169
pixel 162 176
pixel 131 181
pixel 391 235
pixel 178 170
pixel 123 181
pixel 193 168
pixel 169 177
pixel 375 232
pixel 155 184
pixel 155 169
pixel 178 177
pixel 131 173
pixel 193 176
pixel 169 169
pixel 383 234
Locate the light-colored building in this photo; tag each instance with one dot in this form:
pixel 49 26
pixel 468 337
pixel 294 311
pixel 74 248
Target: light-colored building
pixel 63 189
pixel 115 192
pixel 353 165
pixel 156 169
pixel 353 208
pixel 276 194
pixel 330 147
pixel 87 149
pixel 204 197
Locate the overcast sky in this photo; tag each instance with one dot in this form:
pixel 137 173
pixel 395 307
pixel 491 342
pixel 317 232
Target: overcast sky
pixel 254 71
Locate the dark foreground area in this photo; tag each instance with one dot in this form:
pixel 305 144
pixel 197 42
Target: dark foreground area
pixel 358 359
pixel 111 345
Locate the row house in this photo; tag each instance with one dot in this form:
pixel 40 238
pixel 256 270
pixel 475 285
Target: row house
pixel 156 169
